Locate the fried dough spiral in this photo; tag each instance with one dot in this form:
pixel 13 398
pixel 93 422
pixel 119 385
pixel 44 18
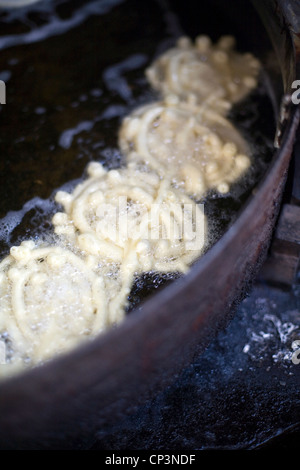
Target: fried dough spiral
pixel 146 216
pixel 215 74
pixel 196 147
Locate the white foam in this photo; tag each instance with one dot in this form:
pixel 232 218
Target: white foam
pixel 14 218
pixel 56 26
pixel 114 80
pixel 66 137
pixel 16 3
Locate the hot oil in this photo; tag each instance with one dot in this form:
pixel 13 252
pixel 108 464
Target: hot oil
pixel 254 118
pixel 67 92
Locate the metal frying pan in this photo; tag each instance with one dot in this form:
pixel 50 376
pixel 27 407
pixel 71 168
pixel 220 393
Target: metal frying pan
pixel 63 404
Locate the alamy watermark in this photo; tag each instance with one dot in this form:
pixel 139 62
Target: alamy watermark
pixel 2 92
pixel 2 352
pixel 296 93
pixel 296 353
pixel 172 222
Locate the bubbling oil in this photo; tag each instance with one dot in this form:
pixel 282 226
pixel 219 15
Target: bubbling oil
pixel 109 291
